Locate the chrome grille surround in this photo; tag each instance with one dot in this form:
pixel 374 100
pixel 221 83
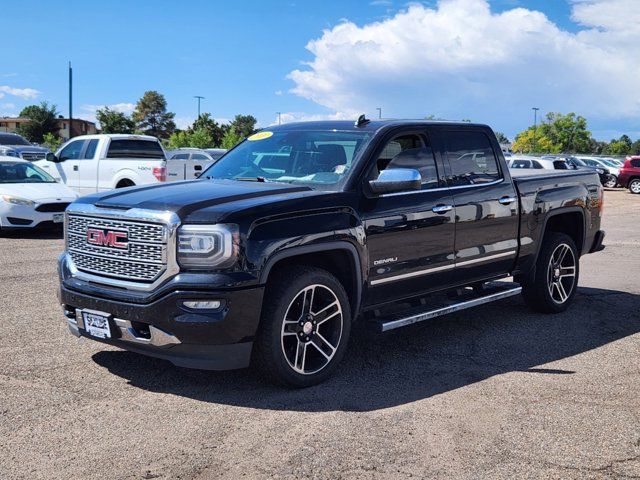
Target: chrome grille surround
pixel 149 260
pixel 32 156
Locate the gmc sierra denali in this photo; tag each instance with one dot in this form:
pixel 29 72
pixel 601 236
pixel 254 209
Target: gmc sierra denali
pixel 303 229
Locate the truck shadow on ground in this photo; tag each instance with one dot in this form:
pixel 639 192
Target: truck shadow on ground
pixel 415 362
pixel 34 234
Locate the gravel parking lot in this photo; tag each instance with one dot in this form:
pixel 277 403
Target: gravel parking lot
pixel 493 392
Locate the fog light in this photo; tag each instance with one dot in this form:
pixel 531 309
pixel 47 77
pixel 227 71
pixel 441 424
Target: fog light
pixel 203 304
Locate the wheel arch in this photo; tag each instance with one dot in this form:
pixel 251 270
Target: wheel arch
pixel 329 256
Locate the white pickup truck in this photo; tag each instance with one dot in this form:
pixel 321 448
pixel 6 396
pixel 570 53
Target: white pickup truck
pixel 96 163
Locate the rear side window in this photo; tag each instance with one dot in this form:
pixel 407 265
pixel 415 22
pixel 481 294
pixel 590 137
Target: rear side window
pixel 536 164
pixel 90 152
pixel 199 156
pixel 635 163
pixel 560 165
pixel 521 164
pixel 180 156
pixel 471 157
pixel 132 148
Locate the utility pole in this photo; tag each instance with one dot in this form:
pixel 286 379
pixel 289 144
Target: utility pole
pixel 70 101
pixel 279 117
pixel 379 112
pixel 199 98
pixel 535 126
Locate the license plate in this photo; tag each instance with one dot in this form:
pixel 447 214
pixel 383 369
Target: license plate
pixel 58 217
pixel 96 325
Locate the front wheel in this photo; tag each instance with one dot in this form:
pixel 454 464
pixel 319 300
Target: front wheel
pixel 304 328
pixel 611 181
pixel 634 186
pixel 554 283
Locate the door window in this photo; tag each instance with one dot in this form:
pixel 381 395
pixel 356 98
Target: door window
pixel 199 156
pixel 471 157
pixel 90 151
pixel 521 164
pixel 180 156
pixel 410 151
pixel 72 151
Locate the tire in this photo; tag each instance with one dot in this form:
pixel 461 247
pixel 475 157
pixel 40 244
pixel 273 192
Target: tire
pixel 552 287
pixel 302 337
pixel 611 182
pixel 125 183
pixel 634 186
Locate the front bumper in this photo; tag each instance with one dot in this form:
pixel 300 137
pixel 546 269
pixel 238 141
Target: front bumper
pixel 19 217
pixel 598 242
pixel 163 327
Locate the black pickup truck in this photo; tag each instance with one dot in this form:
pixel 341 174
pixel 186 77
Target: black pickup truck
pixel 303 229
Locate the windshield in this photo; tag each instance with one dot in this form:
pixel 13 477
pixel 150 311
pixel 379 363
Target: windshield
pixel 12 139
pixel 16 172
pixel 317 158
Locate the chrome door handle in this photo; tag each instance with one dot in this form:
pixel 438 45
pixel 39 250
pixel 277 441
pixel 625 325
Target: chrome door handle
pixel 507 200
pixel 441 209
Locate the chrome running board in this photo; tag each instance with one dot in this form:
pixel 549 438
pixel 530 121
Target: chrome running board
pixel 495 291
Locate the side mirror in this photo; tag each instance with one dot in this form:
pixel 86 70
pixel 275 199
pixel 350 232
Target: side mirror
pixel 51 157
pixel 395 180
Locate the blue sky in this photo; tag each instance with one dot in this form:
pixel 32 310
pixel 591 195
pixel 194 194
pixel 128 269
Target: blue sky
pixel 243 58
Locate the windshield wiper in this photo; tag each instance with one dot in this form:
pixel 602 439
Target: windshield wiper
pixel 251 179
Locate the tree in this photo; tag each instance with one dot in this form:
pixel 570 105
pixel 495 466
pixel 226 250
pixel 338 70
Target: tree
pixel 524 142
pixel 244 125
pixel 42 120
pixel 230 139
pixel 214 129
pixel 635 148
pixel 114 122
pixel 151 116
pixel 502 138
pixel 199 138
pixel 51 141
pixel 568 133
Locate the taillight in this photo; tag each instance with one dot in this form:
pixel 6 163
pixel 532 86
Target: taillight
pixel 160 173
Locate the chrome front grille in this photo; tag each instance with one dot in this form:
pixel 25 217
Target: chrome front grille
pixel 32 156
pixel 143 260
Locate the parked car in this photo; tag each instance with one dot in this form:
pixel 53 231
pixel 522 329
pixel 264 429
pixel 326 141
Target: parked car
pixel 97 163
pixel 189 163
pixel 538 163
pixel 603 172
pixel 305 228
pixel 630 174
pixel 13 145
pixel 29 196
pixel 614 171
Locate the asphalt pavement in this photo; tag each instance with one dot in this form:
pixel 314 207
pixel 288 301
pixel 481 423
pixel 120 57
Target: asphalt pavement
pixel 495 392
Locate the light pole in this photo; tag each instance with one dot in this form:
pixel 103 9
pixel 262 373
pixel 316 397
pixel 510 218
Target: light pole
pixel 199 98
pixel 535 126
pixel 379 112
pixel 279 117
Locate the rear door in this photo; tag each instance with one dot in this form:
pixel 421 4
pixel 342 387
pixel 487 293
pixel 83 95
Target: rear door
pixel 410 235
pixel 177 167
pixel 197 164
pixel 486 205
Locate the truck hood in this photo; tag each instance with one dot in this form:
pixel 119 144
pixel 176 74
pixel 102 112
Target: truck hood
pixel 184 198
pixel 24 148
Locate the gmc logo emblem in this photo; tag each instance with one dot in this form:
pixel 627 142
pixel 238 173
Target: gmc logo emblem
pixel 107 238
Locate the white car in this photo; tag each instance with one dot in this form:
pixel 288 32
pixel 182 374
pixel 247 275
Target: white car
pixel 97 163
pixel 189 163
pixel 614 169
pixel 30 197
pixel 537 163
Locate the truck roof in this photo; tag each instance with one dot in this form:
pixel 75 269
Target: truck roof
pixel 131 136
pixel 371 125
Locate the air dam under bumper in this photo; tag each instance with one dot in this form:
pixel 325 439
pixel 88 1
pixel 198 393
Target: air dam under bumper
pixel 219 339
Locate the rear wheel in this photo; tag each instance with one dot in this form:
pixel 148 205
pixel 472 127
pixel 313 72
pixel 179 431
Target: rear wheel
pixel 634 186
pixel 553 286
pixel 125 183
pixel 304 328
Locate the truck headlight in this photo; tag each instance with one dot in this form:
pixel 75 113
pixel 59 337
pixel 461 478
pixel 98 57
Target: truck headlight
pixel 10 153
pixel 18 201
pixel 600 171
pixel 204 246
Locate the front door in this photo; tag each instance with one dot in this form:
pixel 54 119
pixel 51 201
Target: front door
pixel 69 166
pixel 486 205
pixel 410 235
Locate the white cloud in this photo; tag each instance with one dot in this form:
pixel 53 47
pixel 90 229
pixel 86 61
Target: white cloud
pixel 459 60
pixel 25 93
pixel 278 92
pixel 8 106
pixel 89 111
pixel 185 122
pixel 290 117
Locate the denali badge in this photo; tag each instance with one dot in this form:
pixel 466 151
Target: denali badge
pixel 107 238
pixel 385 261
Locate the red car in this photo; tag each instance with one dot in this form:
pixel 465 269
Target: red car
pixel 630 174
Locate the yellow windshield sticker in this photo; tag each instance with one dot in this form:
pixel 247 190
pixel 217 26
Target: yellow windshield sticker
pixel 259 136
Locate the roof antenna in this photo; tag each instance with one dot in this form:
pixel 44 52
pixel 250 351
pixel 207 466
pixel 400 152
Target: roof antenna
pixel 362 121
